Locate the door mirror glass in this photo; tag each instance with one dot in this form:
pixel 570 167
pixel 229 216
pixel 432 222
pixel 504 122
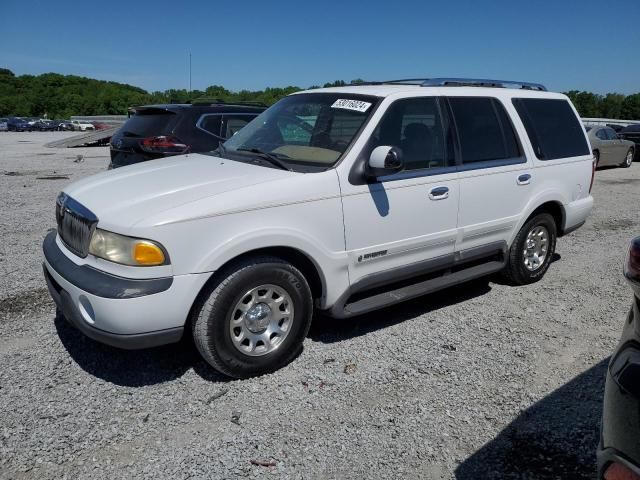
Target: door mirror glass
pixel 385 160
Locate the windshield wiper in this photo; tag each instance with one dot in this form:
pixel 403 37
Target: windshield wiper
pixel 219 149
pixel 266 156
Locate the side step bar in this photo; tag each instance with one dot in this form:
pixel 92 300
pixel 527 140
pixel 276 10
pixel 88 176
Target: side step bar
pixel 408 292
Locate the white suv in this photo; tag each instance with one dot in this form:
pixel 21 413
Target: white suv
pixel 342 200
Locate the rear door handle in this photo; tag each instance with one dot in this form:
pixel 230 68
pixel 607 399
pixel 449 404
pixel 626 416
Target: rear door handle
pixel 524 179
pixel 439 193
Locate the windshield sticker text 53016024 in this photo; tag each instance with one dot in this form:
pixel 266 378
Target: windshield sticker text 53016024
pixel 356 105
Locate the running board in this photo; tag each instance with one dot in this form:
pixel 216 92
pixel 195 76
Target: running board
pixel 408 292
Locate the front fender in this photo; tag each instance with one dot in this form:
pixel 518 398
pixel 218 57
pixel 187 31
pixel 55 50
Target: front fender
pixel 331 266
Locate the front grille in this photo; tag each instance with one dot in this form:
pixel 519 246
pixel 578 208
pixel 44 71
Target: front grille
pixel 76 224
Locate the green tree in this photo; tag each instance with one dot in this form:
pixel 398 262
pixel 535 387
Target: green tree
pixel 630 109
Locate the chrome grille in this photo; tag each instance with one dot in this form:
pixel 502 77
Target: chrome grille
pixel 76 224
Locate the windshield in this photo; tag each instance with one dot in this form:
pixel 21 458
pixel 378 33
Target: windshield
pixel 308 130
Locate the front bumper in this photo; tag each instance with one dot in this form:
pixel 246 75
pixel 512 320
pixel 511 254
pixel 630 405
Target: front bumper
pixel 122 312
pixel 621 410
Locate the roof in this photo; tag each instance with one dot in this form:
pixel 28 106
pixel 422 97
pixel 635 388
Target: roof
pixel 444 86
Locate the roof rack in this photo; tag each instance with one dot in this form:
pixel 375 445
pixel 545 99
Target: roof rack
pixel 461 82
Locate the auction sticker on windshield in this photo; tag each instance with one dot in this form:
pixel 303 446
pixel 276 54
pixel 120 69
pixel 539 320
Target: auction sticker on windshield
pixel 356 105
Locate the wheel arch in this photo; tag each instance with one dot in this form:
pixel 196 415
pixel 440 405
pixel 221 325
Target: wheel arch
pixel 546 204
pixel 556 210
pixel 297 258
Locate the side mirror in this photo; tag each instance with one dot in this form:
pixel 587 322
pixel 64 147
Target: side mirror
pixel 385 160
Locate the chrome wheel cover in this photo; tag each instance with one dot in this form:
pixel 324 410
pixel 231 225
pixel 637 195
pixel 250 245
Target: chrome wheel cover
pixel 629 159
pixel 261 320
pixel 536 248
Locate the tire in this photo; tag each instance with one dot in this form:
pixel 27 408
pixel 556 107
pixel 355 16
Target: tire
pixel 628 159
pixel 596 155
pixel 517 270
pixel 240 287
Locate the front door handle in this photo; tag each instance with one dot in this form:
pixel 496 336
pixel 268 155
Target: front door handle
pixel 439 193
pixel 524 179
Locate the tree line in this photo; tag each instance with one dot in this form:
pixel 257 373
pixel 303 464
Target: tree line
pixel 61 96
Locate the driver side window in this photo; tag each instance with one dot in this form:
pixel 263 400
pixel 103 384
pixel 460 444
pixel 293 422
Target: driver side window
pixel 414 125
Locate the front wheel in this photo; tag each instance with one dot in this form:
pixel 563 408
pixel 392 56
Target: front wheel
pixel 531 252
pixel 628 159
pixel 254 319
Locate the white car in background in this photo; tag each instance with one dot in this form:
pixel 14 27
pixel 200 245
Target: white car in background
pixel 343 200
pixel 82 125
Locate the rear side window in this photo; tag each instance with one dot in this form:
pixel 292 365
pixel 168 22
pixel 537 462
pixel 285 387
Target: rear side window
pixel 611 134
pixel 484 130
pixel 231 124
pixel 210 124
pixel 149 122
pixel 553 128
pixel 601 134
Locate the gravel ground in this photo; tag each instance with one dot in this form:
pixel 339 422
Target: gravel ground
pixel 483 381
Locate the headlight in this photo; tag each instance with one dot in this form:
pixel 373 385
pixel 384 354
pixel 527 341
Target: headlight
pixel 126 250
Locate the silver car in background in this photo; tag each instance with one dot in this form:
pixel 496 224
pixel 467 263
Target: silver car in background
pixel 608 148
pixel 4 126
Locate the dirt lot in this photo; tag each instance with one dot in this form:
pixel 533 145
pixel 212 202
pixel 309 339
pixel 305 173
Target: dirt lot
pixel 482 381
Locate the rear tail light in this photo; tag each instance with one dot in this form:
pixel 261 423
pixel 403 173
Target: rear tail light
pixel 164 144
pixel 632 265
pixel 593 173
pixel 618 471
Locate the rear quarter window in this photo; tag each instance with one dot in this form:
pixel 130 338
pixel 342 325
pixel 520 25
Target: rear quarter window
pixel 553 128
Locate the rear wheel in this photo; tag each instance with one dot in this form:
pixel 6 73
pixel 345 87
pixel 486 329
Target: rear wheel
pixel 254 320
pixel 628 159
pixel 532 250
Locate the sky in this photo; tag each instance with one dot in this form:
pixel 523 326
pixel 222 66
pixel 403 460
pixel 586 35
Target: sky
pixel 564 44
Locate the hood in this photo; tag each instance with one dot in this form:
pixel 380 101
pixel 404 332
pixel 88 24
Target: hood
pixel 124 196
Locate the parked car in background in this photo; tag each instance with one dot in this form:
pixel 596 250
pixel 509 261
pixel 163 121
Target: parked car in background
pixel 619 449
pixel 608 148
pixel 156 131
pixel 100 125
pixel 44 125
pixel 344 200
pixel 615 126
pixel 64 124
pixel 632 133
pixel 17 124
pixel 82 126
pixel 4 124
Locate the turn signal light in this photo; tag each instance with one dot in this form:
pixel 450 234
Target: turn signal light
pixel 164 144
pixel 617 471
pixel 148 254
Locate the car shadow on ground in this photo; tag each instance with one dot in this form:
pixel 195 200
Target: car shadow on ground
pixel 138 368
pixel 329 330
pixel 133 368
pixel 555 438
